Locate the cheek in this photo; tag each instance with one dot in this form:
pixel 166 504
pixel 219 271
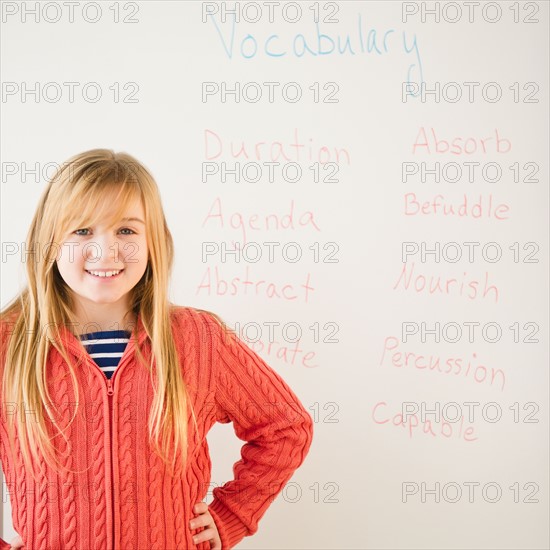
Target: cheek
pixel 70 260
pixel 135 254
pixel 65 267
pixel 71 273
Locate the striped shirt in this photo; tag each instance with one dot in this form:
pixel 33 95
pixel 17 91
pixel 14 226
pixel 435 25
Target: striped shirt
pixel 106 348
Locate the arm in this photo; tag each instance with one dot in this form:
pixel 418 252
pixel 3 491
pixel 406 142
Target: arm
pixel 3 333
pixel 3 339
pixel 271 419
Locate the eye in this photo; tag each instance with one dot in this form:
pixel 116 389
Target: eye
pixel 132 232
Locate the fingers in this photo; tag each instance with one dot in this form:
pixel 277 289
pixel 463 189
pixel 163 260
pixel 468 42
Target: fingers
pixel 207 534
pixel 200 507
pixel 205 520
pixel 17 542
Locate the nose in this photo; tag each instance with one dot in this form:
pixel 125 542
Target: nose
pixel 104 250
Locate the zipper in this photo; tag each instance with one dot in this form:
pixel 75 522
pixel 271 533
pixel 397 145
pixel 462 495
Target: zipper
pixel 110 382
pixel 110 392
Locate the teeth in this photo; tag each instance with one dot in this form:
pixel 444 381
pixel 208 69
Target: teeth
pixel 104 273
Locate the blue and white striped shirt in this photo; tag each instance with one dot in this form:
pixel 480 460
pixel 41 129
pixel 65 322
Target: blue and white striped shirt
pixel 106 348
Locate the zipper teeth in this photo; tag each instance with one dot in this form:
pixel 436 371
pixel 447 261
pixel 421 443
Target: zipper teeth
pixel 110 399
pixel 110 391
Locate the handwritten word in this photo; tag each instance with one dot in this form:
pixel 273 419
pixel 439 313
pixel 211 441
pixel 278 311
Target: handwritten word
pixel 466 208
pixel 237 286
pixel 293 149
pixel 411 425
pixel 289 354
pixel 457 366
pixel 471 145
pixel 255 223
pixel 320 44
pixel 446 286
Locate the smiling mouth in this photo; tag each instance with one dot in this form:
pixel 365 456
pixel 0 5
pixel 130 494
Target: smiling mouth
pixel 105 274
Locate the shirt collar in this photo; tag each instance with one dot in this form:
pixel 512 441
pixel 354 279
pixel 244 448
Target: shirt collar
pixel 74 345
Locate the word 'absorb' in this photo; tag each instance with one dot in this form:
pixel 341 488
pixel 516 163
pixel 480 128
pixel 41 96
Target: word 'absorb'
pixel 459 145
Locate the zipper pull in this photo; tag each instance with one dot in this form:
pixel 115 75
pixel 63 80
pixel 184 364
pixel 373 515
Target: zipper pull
pixel 109 387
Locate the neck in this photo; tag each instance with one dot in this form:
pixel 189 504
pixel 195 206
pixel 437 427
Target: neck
pixel 127 322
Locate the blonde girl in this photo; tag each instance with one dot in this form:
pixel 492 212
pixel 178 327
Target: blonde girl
pixel 108 450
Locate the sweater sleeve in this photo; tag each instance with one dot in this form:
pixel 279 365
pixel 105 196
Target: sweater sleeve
pixel 4 332
pixel 271 419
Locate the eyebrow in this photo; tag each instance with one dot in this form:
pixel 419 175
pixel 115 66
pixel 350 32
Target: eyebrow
pixel 132 220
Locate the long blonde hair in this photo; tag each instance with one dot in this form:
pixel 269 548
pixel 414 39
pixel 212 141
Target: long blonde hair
pixel 74 197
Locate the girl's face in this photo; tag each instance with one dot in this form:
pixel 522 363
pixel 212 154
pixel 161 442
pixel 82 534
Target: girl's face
pixel 90 255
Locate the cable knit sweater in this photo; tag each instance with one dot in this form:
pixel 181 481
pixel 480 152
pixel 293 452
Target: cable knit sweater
pixel 122 496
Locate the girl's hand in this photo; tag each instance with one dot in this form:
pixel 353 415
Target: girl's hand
pixel 17 542
pixel 205 520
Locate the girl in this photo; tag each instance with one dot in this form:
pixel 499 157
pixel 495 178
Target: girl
pixel 121 386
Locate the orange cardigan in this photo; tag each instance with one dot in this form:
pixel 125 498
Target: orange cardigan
pixel 121 495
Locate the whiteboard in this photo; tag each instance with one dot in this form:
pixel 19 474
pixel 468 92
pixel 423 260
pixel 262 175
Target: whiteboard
pixel 394 158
